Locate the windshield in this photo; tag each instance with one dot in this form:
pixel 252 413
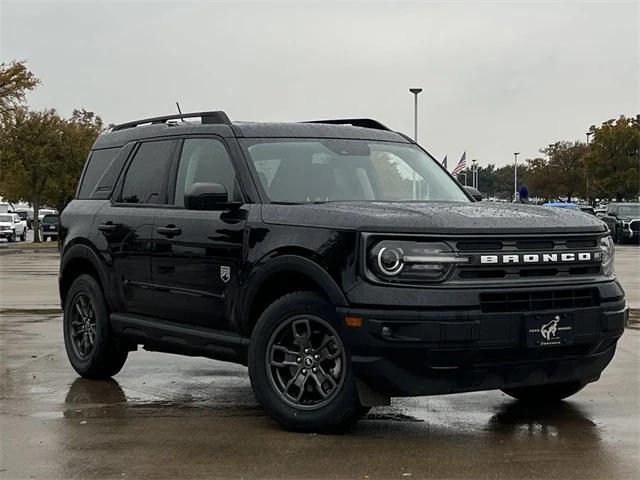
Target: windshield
pixel 325 170
pixel 6 218
pixel 629 210
pixel 50 219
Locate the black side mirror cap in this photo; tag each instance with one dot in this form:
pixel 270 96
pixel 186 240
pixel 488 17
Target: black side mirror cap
pixel 206 196
pixel 474 192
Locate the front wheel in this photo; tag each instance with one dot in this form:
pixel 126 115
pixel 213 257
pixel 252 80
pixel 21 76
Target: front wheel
pixel 541 394
pixel 300 368
pixel 92 349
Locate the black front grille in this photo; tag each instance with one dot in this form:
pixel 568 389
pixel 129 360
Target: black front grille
pixel 505 302
pixel 475 271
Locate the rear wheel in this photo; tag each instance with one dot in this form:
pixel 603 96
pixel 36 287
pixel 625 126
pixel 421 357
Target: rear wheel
pixel 299 367
pixel 23 237
pixel 92 349
pixel 551 393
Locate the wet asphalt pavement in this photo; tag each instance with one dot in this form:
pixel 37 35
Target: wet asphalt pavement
pixel 167 416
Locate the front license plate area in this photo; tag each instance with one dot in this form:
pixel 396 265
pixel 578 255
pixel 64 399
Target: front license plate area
pixel 549 330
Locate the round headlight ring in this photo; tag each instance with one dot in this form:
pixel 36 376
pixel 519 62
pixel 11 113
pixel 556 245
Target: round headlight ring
pixel 397 264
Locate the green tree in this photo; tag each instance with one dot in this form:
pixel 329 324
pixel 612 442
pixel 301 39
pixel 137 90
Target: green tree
pixel 613 160
pixel 15 81
pixel 566 172
pixel 42 156
pixel 79 133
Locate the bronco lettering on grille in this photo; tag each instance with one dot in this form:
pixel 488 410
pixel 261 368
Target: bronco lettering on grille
pixel 538 258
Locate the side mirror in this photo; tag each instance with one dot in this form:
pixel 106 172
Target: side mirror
pixel 474 192
pixel 205 196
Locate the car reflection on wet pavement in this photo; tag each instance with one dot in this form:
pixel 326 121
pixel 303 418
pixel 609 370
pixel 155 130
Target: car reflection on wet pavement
pixel 167 416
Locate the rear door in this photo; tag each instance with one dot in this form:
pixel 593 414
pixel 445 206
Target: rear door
pixel 125 225
pixel 197 254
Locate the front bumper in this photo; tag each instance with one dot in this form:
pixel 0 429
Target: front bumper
pixel 428 351
pixel 6 233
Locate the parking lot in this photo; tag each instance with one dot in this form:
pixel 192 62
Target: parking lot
pixel 166 416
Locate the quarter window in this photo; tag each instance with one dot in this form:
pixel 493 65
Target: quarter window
pixel 146 176
pixel 205 160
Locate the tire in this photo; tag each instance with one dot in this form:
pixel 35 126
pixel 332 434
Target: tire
pixel 11 238
pixel 105 356
pixel 333 387
pixel 542 394
pixel 23 237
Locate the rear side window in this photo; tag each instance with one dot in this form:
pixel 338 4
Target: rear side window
pixel 101 173
pixel 146 177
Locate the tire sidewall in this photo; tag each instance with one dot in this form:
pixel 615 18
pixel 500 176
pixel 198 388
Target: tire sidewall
pixel 86 285
pixel 326 418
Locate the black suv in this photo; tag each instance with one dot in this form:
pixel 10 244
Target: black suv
pixel 337 259
pixel 623 220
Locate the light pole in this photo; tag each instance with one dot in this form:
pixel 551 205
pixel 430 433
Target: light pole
pixel 515 175
pixel 415 92
pixel 474 171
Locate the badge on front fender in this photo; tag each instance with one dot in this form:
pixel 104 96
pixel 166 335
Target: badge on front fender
pixel 225 273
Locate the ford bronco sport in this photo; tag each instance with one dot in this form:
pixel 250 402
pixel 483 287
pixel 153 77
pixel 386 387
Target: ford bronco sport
pixel 337 259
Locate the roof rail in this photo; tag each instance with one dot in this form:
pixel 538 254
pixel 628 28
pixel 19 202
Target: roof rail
pixel 218 117
pixel 356 122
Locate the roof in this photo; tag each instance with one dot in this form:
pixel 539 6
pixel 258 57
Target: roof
pixel 317 130
pixel 217 123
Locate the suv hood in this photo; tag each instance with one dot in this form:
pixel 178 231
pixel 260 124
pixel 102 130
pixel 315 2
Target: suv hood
pixel 434 217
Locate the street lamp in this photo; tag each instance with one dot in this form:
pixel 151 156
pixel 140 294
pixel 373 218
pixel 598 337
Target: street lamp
pixel 415 92
pixel 588 134
pixel 515 175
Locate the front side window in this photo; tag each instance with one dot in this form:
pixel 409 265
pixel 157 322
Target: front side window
pixel 205 160
pixel 146 176
pixel 325 170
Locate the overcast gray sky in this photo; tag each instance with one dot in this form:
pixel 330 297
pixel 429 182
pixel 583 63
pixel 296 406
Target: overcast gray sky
pixel 498 77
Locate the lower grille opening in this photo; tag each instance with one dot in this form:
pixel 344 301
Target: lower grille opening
pixel 504 302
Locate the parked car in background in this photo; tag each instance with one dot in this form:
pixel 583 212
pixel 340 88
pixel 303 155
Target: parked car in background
pixel 24 215
pixel 12 227
pixel 49 226
pixel 623 220
pixel 44 211
pixel 587 209
pixel 600 211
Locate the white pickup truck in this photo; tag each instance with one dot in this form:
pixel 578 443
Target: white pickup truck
pixel 12 227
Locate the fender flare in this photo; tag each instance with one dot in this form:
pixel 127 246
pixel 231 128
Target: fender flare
pixel 291 263
pixel 84 252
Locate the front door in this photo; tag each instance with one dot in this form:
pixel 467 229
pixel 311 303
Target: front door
pixel 196 254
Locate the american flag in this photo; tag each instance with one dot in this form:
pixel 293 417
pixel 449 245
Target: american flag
pixel 462 165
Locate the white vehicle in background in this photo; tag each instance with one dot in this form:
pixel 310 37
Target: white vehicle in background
pixel 12 227
pixel 45 211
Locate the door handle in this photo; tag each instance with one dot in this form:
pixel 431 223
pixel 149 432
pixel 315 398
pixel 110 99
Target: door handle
pixel 169 231
pixel 108 227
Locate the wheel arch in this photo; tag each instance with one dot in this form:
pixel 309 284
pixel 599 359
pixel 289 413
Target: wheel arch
pixel 79 259
pixel 281 275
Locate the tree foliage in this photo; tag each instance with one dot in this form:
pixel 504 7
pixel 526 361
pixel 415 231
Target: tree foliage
pixel 613 160
pixel 15 81
pixel 43 155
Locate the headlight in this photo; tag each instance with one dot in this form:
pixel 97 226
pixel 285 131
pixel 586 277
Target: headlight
pixel 606 245
pixel 401 261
